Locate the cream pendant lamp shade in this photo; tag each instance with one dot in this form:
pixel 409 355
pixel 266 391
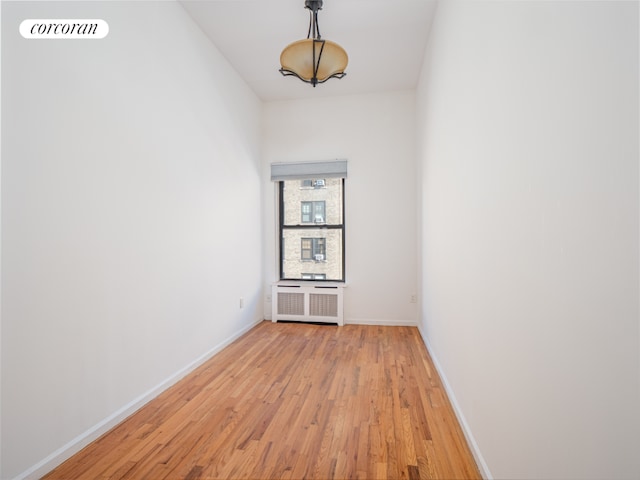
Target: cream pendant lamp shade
pixel 314 60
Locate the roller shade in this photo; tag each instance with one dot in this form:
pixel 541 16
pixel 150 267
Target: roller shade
pixel 304 170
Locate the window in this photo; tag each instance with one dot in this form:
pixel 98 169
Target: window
pixel 314 249
pixel 314 276
pixel 311 223
pixel 313 212
pixel 311 229
pixel 313 183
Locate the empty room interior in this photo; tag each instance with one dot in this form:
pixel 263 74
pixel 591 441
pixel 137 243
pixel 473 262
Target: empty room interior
pixel 181 223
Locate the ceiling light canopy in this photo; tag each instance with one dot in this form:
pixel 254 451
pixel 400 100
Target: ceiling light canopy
pixel 314 60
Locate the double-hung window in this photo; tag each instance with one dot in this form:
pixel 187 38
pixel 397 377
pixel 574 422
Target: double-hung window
pixel 311 220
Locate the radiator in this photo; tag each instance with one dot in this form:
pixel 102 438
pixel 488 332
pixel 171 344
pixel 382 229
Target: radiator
pixel 307 303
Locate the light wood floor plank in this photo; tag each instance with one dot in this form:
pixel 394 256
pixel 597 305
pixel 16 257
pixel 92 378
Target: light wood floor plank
pixel 292 401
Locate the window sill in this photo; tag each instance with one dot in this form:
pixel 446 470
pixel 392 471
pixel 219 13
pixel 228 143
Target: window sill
pixel 308 283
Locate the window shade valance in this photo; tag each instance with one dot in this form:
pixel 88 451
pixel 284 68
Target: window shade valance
pixel 304 170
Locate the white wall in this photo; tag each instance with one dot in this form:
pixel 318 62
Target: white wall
pixel 376 134
pixel 130 218
pixel 528 127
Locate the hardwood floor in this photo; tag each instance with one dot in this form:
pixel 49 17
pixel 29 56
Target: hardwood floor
pixel 293 401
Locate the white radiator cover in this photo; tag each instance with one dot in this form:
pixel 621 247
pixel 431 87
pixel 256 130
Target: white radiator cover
pixel 307 303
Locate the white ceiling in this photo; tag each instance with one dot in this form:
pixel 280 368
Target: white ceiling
pixel 385 41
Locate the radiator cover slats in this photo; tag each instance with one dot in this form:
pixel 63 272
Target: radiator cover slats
pixel 291 303
pixel 311 303
pixel 323 305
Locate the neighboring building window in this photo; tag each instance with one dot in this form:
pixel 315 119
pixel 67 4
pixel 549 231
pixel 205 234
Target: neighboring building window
pixel 314 249
pixel 314 276
pixel 313 183
pixel 313 212
pixel 312 229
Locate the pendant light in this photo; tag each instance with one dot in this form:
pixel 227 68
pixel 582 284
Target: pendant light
pixel 314 60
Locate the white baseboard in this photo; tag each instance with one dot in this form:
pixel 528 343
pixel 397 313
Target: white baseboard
pixel 482 465
pixel 85 438
pixel 381 322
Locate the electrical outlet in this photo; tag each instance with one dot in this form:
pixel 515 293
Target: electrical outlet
pixel 268 298
pixel 414 298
